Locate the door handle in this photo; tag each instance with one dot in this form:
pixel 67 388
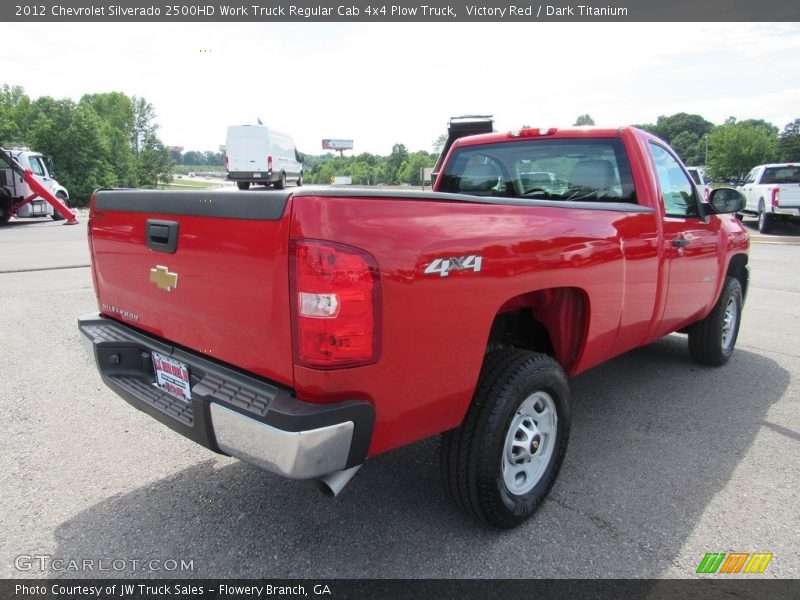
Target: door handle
pixel 680 242
pixel 162 236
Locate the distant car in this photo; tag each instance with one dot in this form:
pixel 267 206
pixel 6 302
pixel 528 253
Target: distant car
pixel 702 182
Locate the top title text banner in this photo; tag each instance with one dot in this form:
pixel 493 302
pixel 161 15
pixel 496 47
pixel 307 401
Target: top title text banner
pixel 369 11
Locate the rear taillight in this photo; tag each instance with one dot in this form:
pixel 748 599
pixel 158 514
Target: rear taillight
pixel 776 197
pixel 269 163
pixel 226 163
pixel 336 305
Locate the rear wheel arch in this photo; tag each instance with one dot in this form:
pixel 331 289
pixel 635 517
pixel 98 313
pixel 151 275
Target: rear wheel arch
pixel 551 321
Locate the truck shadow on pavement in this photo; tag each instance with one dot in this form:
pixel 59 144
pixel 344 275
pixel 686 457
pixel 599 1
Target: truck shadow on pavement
pixel 654 438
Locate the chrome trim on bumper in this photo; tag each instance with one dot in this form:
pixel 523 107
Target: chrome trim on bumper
pixel 293 454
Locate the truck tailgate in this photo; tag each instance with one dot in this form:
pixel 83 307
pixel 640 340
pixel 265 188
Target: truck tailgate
pixel 789 195
pixel 204 270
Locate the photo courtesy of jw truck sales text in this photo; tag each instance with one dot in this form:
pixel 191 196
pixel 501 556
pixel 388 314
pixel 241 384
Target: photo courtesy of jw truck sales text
pixel 279 328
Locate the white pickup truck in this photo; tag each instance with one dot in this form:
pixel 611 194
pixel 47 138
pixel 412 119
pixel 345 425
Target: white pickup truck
pixel 772 192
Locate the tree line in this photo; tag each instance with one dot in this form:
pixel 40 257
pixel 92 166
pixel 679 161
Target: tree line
pixel 728 150
pixel 111 140
pixel 103 140
pixel 731 149
pixel 400 166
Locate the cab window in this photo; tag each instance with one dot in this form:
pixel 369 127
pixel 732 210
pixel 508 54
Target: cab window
pixel 590 170
pixel 36 166
pixel 677 192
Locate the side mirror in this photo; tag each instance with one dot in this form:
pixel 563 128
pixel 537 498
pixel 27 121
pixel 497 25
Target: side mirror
pixel 726 200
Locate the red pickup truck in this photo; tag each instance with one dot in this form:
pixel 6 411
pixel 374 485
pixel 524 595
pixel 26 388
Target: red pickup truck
pixel 305 331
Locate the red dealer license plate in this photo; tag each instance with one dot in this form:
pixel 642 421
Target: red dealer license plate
pixel 172 376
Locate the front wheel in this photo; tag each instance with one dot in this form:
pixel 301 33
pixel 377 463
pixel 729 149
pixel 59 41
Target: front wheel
pixel 711 341
pixel 57 216
pixel 300 179
pixel 500 463
pixel 5 206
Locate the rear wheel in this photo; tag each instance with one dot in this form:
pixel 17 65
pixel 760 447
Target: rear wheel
pixel 243 185
pixel 766 220
pixel 711 341
pixel 500 463
pixel 281 183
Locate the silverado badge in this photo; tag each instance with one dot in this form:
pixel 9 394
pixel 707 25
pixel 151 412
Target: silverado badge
pixel 163 278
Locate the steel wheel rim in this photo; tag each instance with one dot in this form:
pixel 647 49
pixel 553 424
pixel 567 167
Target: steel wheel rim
pixel 529 443
pixel 729 322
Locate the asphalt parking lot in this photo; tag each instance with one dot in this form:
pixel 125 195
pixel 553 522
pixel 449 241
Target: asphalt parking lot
pixel 667 461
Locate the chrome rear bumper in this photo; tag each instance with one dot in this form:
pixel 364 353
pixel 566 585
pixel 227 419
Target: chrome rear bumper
pixel 231 412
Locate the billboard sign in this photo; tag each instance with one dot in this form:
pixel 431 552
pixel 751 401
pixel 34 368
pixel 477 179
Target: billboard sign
pixel 337 144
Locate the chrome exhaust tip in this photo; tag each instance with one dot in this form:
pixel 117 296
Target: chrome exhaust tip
pixel 332 484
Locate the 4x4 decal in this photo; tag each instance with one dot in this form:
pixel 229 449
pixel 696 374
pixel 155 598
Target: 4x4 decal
pixel 443 266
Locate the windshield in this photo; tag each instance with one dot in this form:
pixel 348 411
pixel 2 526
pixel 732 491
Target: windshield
pixel 547 169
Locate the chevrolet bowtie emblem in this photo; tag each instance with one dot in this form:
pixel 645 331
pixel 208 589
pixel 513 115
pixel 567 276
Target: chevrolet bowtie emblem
pixel 163 278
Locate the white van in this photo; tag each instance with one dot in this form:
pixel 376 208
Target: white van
pixel 258 154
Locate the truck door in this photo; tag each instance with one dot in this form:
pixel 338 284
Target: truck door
pixel 38 169
pixel 747 189
pixel 690 245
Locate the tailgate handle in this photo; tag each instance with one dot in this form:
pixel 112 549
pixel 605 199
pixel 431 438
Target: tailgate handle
pixel 162 236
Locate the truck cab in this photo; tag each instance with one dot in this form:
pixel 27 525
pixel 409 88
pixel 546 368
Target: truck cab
pixel 14 190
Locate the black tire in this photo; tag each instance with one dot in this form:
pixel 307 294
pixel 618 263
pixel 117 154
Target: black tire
pixel 281 183
pixel 712 340
pixel 480 457
pixel 300 179
pixel 243 185
pixel 766 220
pixel 57 216
pixel 5 206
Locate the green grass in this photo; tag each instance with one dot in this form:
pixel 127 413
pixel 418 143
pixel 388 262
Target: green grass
pixel 190 184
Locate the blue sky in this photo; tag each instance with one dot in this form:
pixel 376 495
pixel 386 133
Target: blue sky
pixel 387 83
